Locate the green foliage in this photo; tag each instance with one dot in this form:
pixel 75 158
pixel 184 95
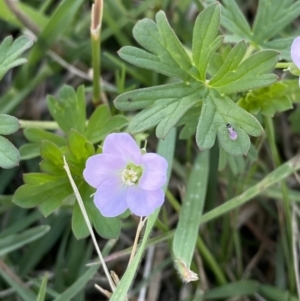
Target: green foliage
pixel 268 100
pixel 186 232
pixel 51 189
pixel 163 106
pixel 10 51
pixel 68 110
pixel 217 111
pixel 13 242
pixel 271 17
pixel 9 155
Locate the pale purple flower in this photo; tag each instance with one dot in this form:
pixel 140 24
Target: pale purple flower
pixel 126 178
pixel 295 52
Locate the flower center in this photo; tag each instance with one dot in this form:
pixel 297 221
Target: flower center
pixel 131 174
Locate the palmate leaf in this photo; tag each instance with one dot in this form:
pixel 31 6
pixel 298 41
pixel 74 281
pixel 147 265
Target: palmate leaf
pixel 169 56
pixel 217 112
pixel 68 109
pixel 164 106
pixel 236 75
pixel 271 18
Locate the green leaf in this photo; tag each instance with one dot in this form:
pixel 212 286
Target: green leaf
pixel 272 17
pixel 205 42
pixel 8 124
pixel 79 227
pixel 186 232
pixel 166 105
pixel 13 242
pixel 52 153
pixel 49 191
pixel 102 123
pixel 80 149
pixel 42 292
pixel 9 52
pixel 8 16
pixel 267 101
pixel 144 59
pixel 68 109
pixel 24 292
pixel 38 135
pixel 231 62
pixel 29 151
pixel 233 20
pixel 174 46
pixel 169 57
pixel 189 120
pixel 9 155
pixel 239 288
pixel 53 158
pixel 280 45
pixel 216 113
pixel 249 74
pixel 272 178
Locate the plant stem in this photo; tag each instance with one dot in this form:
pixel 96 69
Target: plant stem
pixel 47 125
pixel 97 12
pixel 282 65
pixel 86 218
pixel 138 232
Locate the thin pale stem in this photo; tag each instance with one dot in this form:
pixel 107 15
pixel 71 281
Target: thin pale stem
pixel 86 218
pixel 282 65
pixel 136 240
pixel 47 125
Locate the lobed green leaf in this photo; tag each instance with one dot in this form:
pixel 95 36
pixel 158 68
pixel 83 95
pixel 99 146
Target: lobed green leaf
pixel 102 123
pixel 69 108
pixel 42 189
pixel 38 135
pixel 233 19
pixel 249 74
pixel 216 113
pixel 272 17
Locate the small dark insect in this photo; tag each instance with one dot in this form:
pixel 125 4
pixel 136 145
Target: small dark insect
pixel 232 133
pixel 129 99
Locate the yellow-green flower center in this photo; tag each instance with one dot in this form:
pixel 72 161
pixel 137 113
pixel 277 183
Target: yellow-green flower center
pixel 131 174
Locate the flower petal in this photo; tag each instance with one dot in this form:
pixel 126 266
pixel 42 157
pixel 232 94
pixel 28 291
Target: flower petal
pixel 122 144
pixel 110 198
pixel 154 171
pixel 295 52
pixel 144 202
pixel 99 168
